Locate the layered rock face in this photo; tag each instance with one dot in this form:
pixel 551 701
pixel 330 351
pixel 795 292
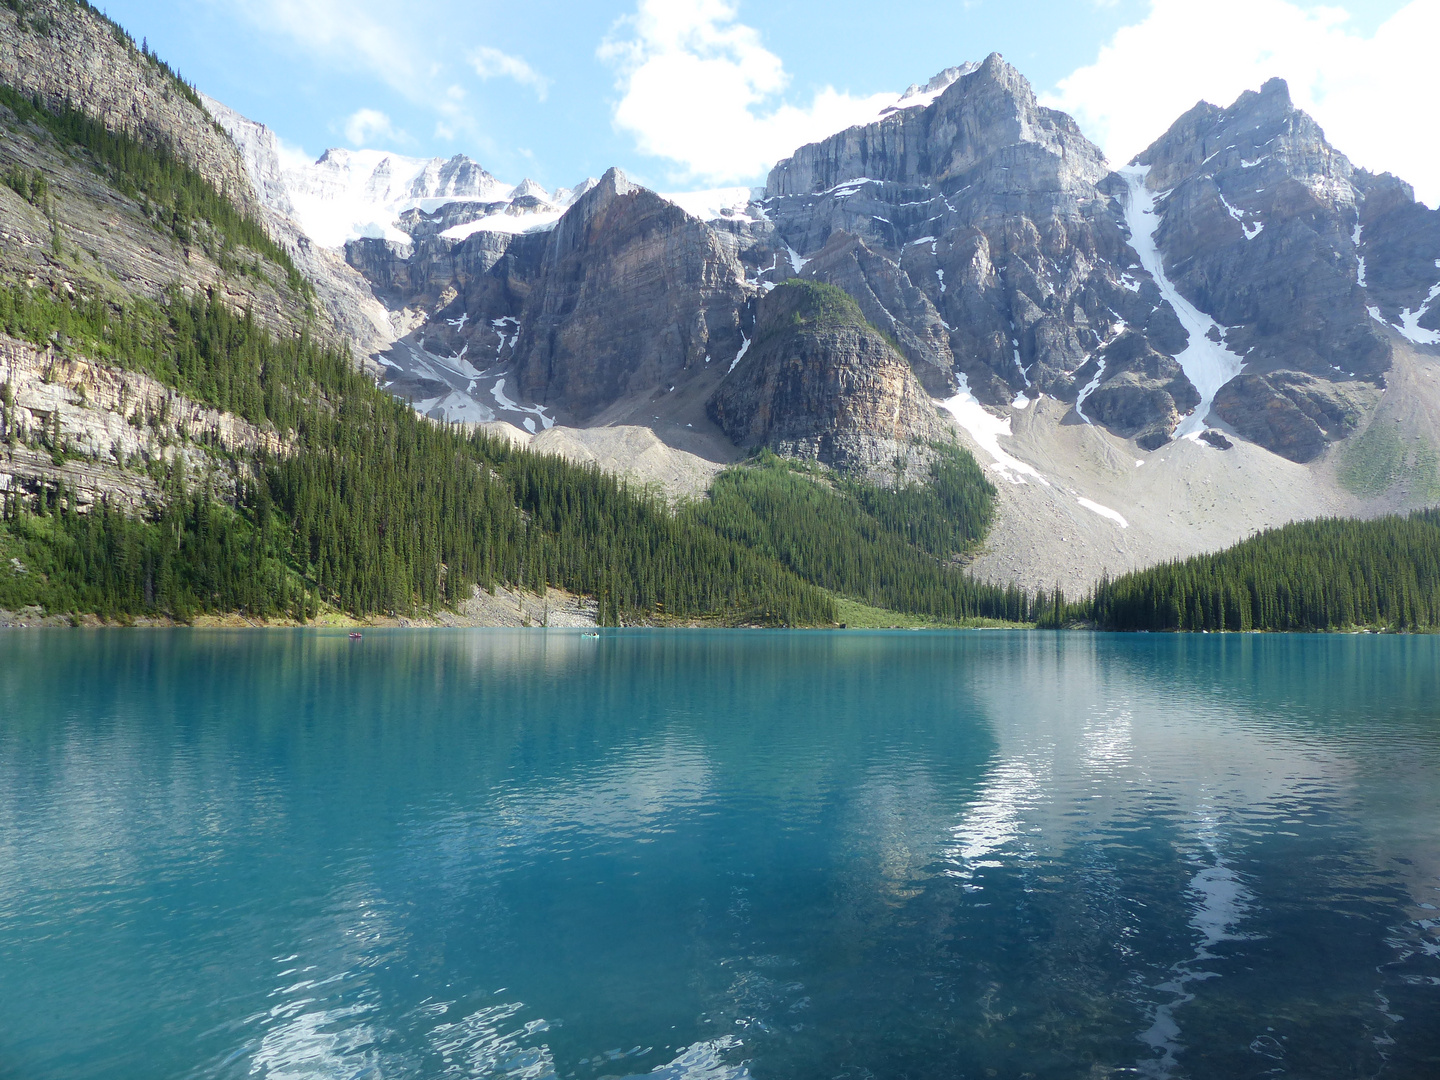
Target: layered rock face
pixel 63 53
pixel 1260 226
pixel 64 418
pixel 99 429
pixel 633 293
pixel 347 297
pixel 817 381
pixel 625 294
pixel 982 232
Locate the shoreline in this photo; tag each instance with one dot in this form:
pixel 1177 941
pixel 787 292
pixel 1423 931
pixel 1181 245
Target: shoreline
pixel 25 620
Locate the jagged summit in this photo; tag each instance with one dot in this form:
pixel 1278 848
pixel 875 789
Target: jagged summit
pixel 989 238
pixel 917 95
pixel 529 189
pixel 985 109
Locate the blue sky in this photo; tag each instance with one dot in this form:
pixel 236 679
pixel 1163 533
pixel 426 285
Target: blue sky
pixel 697 93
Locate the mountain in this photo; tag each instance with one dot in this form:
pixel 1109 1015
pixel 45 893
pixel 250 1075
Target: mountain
pixel 1262 222
pixel 993 219
pixel 1152 360
pixel 1239 290
pixel 185 430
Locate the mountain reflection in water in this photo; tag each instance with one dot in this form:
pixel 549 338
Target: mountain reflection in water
pixel 717 854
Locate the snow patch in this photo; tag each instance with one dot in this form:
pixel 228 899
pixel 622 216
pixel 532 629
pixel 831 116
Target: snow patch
pixel 505 222
pixel 744 348
pixel 1410 321
pixel 502 399
pixel 500 324
pixel 846 188
pixel 986 428
pixel 456 408
pixel 731 203
pixel 1250 231
pixel 1089 389
pixel 1207 365
pixel 1104 511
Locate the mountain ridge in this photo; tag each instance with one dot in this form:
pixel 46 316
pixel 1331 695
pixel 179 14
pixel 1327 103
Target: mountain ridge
pixel 998 250
pixel 1150 361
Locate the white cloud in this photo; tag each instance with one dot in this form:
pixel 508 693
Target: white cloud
pixel 492 63
pixel 1374 96
pixel 364 125
pixel 702 90
pixel 392 43
pixel 364 35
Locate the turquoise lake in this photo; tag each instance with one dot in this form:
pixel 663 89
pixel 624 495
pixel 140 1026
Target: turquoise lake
pixel 715 855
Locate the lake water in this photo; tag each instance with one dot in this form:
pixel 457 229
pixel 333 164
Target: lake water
pixel 712 855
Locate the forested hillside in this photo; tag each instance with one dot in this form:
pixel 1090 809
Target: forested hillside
pixel 891 548
pixel 371 509
pixel 343 499
pixel 1332 574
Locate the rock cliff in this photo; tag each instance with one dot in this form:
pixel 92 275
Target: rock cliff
pixel 74 227
pixel 109 433
pixel 65 52
pixel 993 225
pixel 633 294
pixel 1260 228
pixel 819 382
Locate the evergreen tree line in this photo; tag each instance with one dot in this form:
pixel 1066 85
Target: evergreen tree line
pixel 891 548
pixel 198 555
pixel 1329 574
pixel 173 195
pixel 370 509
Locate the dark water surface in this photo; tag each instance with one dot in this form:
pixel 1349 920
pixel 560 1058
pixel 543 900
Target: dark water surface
pixel 708 855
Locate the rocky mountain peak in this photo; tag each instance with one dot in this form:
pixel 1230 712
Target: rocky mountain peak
pixel 529 189
pixel 975 232
pixel 1275 90
pixel 1262 133
pixel 574 228
pixel 987 109
pixel 631 293
pixel 1259 229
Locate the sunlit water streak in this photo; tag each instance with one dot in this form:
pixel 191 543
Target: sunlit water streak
pixel 711 856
